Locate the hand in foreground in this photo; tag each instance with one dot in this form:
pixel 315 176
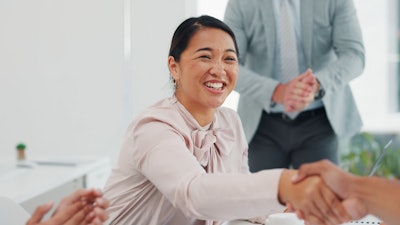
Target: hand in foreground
pixel 312 200
pixel 337 180
pixel 81 207
pixel 298 93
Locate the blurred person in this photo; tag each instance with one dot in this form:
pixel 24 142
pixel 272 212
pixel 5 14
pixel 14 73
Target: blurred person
pixel 80 208
pixel 297 59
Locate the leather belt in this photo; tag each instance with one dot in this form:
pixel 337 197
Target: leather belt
pixel 302 116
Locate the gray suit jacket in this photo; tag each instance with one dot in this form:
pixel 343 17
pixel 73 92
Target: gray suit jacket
pixel 333 48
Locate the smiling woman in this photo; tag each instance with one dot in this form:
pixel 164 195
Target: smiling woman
pixel 205 73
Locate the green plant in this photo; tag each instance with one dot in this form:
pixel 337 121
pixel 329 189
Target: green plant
pixel 363 150
pixel 20 146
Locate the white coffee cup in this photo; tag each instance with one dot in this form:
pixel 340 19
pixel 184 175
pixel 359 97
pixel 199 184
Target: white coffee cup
pixel 283 219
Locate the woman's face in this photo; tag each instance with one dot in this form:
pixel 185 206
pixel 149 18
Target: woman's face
pixel 207 71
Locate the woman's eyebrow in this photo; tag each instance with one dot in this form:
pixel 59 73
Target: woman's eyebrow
pixel 209 49
pixel 231 50
pixel 203 49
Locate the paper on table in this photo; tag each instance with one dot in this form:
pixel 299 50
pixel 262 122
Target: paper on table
pixel 369 219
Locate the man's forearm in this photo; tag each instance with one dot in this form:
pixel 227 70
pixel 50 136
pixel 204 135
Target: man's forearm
pixel 380 196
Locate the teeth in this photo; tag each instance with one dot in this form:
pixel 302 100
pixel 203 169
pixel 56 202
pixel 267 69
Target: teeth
pixel 214 85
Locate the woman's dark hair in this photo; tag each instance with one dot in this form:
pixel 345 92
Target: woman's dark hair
pixel 189 27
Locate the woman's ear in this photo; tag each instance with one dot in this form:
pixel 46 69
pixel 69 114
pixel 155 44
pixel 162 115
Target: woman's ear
pixel 173 67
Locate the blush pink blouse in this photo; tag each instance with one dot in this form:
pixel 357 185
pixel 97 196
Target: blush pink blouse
pixel 172 171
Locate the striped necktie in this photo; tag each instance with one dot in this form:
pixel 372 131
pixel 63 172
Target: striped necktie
pixel 288 46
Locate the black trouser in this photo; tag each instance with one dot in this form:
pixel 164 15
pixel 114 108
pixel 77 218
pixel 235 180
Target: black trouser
pixel 280 142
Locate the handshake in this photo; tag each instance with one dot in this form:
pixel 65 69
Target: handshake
pixel 340 196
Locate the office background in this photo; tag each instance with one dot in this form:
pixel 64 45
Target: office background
pixel 73 73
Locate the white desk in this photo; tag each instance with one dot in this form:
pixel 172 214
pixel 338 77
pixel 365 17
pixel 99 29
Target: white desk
pixel 371 220
pixel 42 183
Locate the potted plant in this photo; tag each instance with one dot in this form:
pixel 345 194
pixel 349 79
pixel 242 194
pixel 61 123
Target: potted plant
pixel 21 151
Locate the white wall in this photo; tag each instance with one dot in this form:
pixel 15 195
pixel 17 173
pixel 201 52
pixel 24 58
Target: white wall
pixel 152 30
pixel 61 71
pixel 73 73
pixel 374 90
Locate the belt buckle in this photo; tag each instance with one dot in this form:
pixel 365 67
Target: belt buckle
pixel 287 118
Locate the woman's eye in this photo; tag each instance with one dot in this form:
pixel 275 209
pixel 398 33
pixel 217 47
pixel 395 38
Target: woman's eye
pixel 205 57
pixel 230 58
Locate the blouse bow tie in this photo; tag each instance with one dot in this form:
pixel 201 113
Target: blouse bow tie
pixel 209 145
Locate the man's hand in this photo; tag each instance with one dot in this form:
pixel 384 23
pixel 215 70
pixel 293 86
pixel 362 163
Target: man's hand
pixel 298 93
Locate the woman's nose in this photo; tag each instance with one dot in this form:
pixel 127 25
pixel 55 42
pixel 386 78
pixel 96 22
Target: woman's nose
pixel 218 69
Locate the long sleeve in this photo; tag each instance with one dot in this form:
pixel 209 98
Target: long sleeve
pixel 346 44
pixel 171 171
pixel 169 164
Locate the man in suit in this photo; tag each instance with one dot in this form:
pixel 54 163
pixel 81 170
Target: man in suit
pixel 288 123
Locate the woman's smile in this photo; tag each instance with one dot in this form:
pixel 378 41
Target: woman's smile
pixel 215 86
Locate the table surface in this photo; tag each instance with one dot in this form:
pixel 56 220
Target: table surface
pixel 23 183
pixel 366 220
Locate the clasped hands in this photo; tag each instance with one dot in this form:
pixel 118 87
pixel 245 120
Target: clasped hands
pixel 298 93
